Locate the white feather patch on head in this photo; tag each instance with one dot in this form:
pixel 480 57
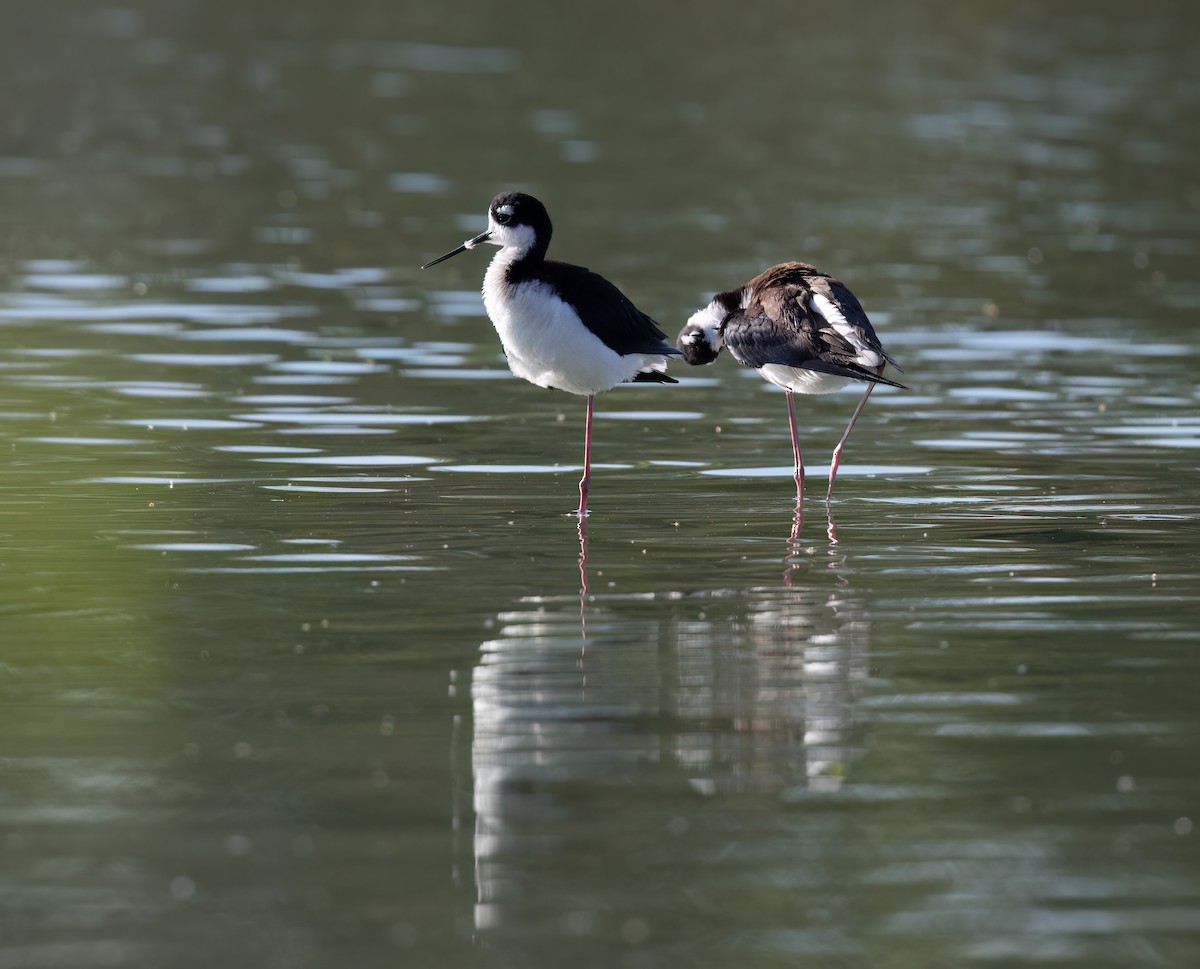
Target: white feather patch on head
pixel 518 237
pixel 827 309
pixel 704 325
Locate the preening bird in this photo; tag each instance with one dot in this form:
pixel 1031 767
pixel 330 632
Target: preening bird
pixel 803 331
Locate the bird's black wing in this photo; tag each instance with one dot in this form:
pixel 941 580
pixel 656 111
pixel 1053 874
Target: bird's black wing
pixel 606 311
pixel 790 334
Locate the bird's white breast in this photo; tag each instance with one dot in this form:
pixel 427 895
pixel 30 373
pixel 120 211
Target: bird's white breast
pixel 544 339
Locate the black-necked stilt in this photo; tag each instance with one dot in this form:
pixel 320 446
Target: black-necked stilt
pixel 562 326
pixel 803 331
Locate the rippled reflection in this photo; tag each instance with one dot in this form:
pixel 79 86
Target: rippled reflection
pixel 731 691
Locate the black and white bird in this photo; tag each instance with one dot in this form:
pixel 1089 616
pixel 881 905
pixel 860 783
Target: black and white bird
pixel 562 326
pixel 803 331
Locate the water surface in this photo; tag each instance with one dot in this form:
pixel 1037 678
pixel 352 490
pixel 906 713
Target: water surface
pixel 305 663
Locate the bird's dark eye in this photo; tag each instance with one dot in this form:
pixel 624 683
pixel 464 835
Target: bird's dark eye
pixel 503 215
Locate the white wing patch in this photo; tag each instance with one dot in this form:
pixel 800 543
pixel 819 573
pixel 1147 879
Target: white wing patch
pixel 828 310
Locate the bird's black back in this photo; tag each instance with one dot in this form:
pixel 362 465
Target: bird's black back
pixel 601 307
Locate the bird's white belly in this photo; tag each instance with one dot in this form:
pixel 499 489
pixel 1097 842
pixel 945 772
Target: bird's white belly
pixel 802 381
pixel 546 343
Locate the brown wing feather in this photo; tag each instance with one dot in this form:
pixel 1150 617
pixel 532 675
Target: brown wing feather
pixel 780 326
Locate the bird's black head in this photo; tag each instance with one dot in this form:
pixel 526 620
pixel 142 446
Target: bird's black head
pixel 697 346
pixel 519 220
pixel 700 341
pixel 517 208
pixel 515 221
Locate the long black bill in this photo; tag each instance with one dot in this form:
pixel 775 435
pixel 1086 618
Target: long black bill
pixel 469 244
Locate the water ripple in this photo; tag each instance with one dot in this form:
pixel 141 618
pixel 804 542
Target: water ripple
pixel 817 470
pixel 187 423
pixel 22 307
pixel 207 359
pixel 351 460
pixel 356 418
pixel 195 547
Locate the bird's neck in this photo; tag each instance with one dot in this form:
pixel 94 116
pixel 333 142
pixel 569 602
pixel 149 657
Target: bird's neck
pixel 514 263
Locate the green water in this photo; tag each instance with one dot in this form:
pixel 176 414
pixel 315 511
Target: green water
pixel 302 661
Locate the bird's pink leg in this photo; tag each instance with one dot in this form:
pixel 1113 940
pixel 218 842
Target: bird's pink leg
pixel 837 451
pixel 586 480
pixel 796 455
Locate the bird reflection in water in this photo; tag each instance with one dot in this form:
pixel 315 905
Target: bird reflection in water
pixel 592 708
pixel 798 551
pixel 584 588
pixel 554 696
pixel 792 681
